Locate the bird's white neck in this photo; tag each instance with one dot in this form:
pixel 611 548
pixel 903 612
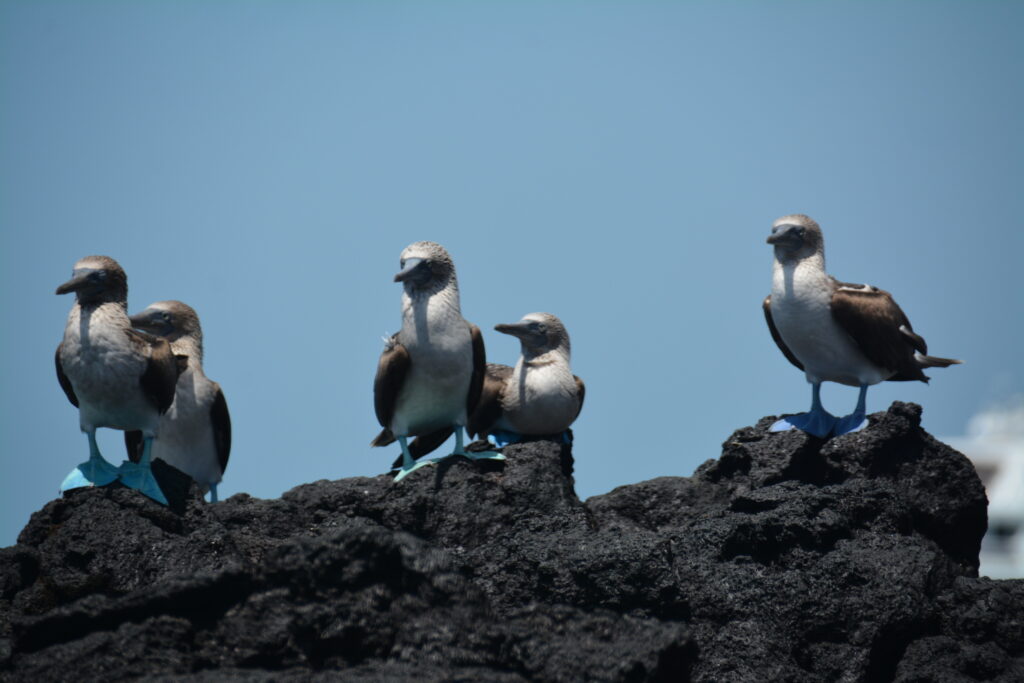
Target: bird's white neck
pixel 790 278
pixel 530 358
pixel 425 314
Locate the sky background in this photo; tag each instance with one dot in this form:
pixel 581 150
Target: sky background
pixel 616 164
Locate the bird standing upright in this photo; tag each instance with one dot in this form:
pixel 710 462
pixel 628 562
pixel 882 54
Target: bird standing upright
pixel 835 331
pixel 117 377
pixel 539 396
pixel 195 432
pixel 431 371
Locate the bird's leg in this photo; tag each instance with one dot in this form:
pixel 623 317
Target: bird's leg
pixel 856 419
pixel 95 471
pixel 461 450
pixel 213 493
pixel 408 464
pixel 817 421
pixel 139 476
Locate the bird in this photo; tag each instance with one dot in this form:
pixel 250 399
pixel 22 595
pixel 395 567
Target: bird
pixel 431 371
pixel 539 396
pixel 117 377
pixel 195 433
pixel 852 334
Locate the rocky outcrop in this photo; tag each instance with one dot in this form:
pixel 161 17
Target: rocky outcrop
pixel 788 558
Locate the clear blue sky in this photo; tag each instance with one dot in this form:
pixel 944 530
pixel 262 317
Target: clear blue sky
pixel 617 164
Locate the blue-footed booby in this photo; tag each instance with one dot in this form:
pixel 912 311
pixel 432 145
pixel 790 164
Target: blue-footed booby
pixel 540 395
pixel 835 331
pixel 431 371
pixel 195 432
pixel 117 377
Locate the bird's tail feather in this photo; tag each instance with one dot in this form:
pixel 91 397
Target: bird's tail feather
pixel 383 439
pixel 934 361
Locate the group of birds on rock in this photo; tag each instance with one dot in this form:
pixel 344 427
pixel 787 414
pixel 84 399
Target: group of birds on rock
pixel 433 377
pixel 143 374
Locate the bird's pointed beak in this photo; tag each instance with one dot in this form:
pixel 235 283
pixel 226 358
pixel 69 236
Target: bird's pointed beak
pixel 407 271
pixel 141 321
pixel 783 234
pixel 515 329
pixel 79 279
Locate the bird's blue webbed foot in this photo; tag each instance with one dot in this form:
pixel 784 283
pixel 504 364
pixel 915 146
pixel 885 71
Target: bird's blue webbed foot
pixel 95 471
pixel 502 437
pixel 481 455
pixel 139 476
pixel 855 420
pixel 849 423
pixel 818 423
pixel 408 464
pixel 405 471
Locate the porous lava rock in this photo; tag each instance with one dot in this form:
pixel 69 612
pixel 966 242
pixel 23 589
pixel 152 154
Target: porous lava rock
pixel 788 558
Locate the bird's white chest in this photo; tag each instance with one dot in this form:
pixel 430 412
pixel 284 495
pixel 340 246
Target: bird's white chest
pixel 800 307
pixel 436 386
pixel 104 369
pixel 539 399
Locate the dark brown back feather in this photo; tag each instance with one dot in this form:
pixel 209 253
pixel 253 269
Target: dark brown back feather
pixel 160 379
pixel 488 408
pixel 767 306
pixel 873 321
pixel 65 383
pixel 391 371
pixel 476 380
pixel 581 389
pixel 221 420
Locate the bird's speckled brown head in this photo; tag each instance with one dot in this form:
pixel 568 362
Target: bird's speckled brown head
pixel 796 237
pixel 97 280
pixel 426 266
pixel 538 332
pixel 169 319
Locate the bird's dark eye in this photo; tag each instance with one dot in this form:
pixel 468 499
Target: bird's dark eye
pixel 166 316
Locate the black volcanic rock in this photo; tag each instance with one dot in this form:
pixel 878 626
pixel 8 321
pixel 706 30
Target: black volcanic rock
pixel 788 558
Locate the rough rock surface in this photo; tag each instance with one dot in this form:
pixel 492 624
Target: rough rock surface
pixel 788 558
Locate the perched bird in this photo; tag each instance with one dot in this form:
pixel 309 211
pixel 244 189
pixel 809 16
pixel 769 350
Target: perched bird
pixel 430 373
pixel 835 331
pixel 117 377
pixel 195 433
pixel 540 395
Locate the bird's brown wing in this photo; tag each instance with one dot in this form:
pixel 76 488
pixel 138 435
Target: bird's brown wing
pixel 221 420
pixel 879 328
pixel 391 371
pixel 488 408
